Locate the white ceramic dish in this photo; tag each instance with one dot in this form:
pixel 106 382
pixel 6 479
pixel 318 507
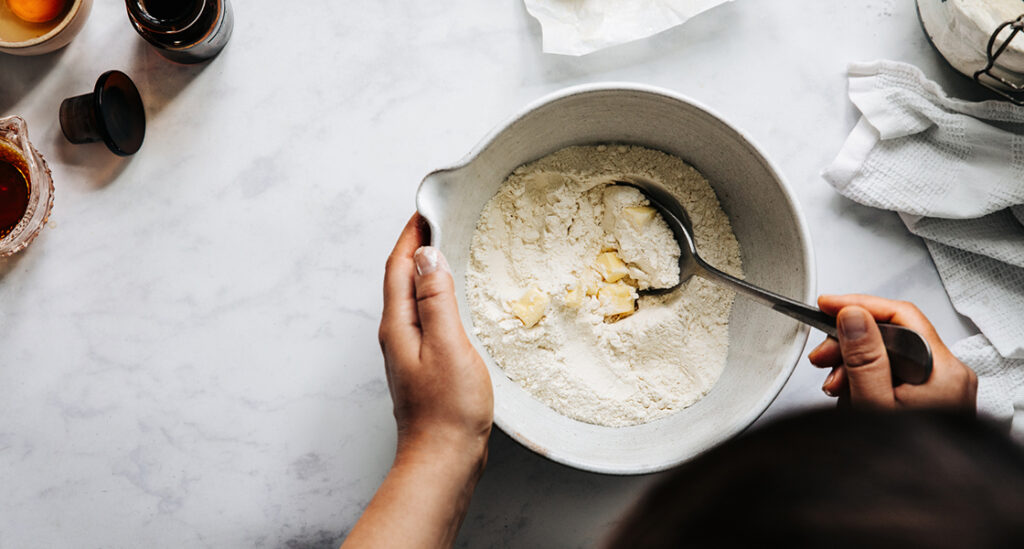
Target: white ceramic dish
pixel 58 37
pixel 765 346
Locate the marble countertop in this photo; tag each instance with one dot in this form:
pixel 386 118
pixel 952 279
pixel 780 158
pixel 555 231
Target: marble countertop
pixel 188 352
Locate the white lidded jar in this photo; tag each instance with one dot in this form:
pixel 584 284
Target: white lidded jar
pixel 981 39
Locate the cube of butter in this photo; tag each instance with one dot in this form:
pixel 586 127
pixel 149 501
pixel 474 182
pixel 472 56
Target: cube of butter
pixel 574 296
pixel 530 308
pixel 612 268
pixel 617 299
pixel 639 216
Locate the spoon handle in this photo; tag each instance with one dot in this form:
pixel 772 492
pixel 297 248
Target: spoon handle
pixel 910 356
pixel 789 307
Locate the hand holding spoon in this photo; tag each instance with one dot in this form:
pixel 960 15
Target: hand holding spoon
pixel 910 357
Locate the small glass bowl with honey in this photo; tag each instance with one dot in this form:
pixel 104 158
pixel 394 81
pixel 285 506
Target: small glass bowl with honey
pixel 26 188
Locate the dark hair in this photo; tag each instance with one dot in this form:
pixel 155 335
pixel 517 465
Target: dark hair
pixel 834 478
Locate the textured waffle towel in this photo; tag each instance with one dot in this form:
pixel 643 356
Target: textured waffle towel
pixel 1000 382
pixel 954 170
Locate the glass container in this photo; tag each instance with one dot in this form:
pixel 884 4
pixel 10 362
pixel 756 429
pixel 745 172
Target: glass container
pixel 184 31
pixel 18 151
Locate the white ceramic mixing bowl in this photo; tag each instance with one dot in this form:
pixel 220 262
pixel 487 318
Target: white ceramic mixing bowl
pixel 776 250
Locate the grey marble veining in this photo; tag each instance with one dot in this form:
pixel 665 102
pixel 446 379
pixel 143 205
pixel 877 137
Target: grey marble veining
pixel 188 352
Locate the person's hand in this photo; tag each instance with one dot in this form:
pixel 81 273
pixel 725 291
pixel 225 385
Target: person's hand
pixel 439 384
pixel 860 367
pixel 443 405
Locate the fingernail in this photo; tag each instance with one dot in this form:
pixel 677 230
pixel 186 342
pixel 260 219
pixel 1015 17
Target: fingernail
pixel 852 324
pixel 828 381
pixel 428 259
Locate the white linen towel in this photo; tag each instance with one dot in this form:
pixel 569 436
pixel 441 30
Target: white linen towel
pixel 954 170
pixel 1000 382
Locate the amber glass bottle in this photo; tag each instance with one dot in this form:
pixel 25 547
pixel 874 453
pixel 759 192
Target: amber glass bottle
pixel 185 31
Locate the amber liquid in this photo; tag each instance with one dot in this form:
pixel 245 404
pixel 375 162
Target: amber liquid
pixel 197 41
pixel 14 188
pixel 169 9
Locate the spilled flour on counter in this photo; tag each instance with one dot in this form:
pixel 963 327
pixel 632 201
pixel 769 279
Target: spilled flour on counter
pixel 555 266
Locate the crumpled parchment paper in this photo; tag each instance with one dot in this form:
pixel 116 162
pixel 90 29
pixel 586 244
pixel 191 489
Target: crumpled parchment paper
pixel 579 27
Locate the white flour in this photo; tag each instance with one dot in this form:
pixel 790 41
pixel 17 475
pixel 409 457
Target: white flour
pixel 535 255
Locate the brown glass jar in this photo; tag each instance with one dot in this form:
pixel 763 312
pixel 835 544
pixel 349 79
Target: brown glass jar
pixel 184 31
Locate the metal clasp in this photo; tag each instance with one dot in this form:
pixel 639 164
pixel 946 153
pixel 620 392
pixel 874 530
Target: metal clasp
pixel 1013 92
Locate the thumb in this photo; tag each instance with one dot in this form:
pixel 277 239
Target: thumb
pixel 435 295
pixel 867 364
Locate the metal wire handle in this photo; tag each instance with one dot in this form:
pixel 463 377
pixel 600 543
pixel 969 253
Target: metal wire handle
pixel 1016 92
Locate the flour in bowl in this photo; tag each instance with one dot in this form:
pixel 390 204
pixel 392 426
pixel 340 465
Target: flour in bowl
pixel 555 266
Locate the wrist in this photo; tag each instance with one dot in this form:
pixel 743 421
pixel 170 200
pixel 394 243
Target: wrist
pixel 445 449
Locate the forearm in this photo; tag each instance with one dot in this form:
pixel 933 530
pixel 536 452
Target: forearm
pixel 424 497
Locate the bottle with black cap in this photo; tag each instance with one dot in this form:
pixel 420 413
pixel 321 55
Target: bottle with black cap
pixel 184 31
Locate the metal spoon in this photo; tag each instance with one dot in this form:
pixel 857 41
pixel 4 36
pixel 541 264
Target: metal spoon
pixel 910 357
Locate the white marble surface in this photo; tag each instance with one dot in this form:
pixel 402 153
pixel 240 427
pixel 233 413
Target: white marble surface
pixel 188 352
